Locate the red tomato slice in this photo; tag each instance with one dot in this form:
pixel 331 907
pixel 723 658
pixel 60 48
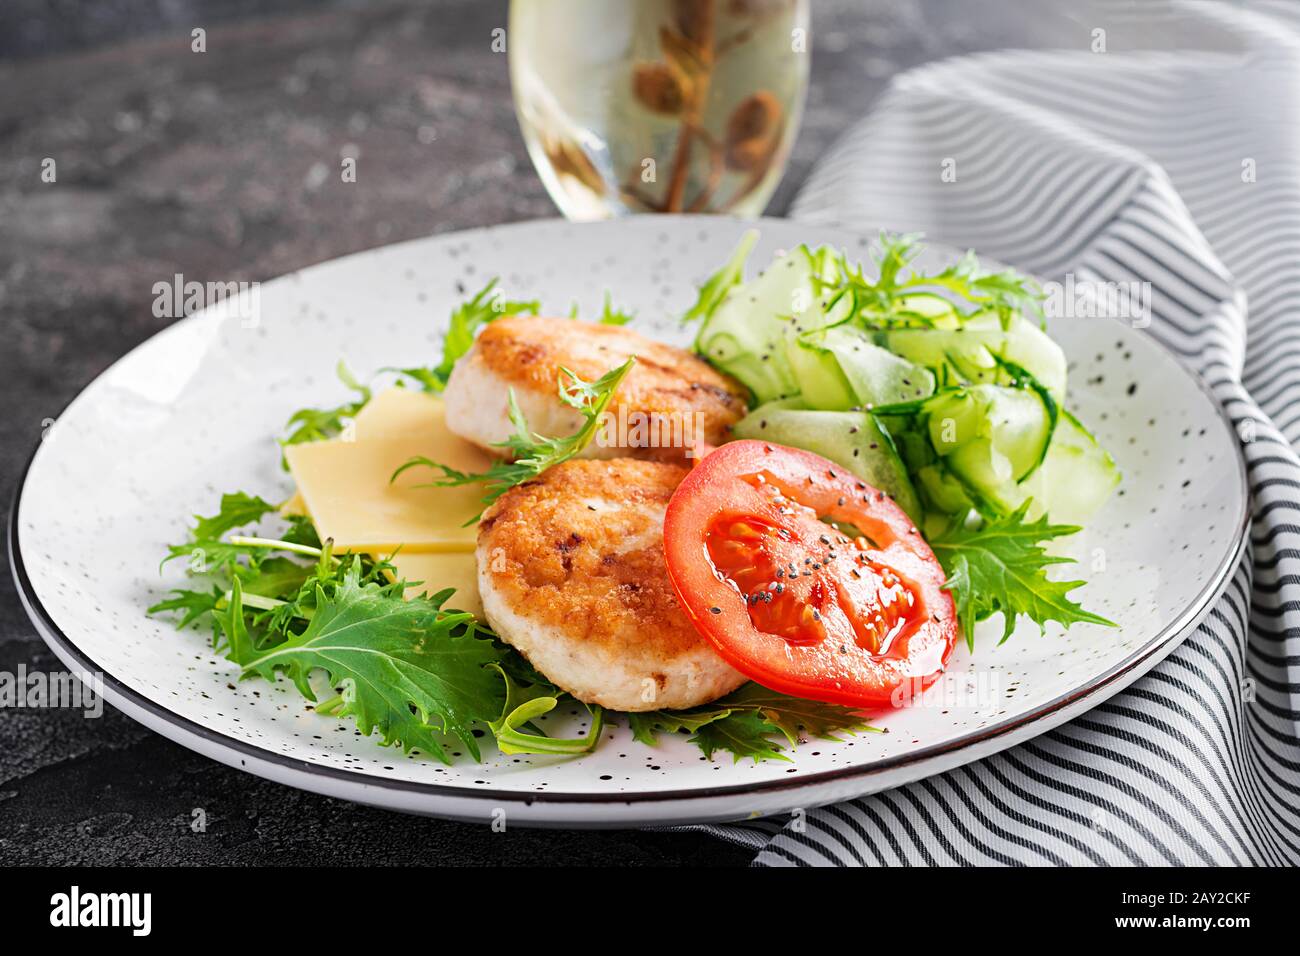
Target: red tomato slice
pixel 806 579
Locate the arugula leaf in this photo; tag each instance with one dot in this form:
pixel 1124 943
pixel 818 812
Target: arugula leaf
pixel 529 454
pixel 610 315
pixel 271 613
pixel 716 286
pixel 204 555
pixel 193 604
pixel 426 378
pixel 237 509
pixel 315 424
pixel 274 577
pixel 240 645
pixel 204 550
pixel 411 671
pixel 274 581
pixel 486 306
pixel 749 722
pixel 1001 566
pixel 300 531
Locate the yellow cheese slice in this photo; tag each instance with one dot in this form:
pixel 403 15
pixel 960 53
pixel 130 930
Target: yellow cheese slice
pixel 346 490
pixel 427 573
pixel 398 411
pixel 437 572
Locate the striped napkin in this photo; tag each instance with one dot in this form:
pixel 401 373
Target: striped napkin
pixel 1181 168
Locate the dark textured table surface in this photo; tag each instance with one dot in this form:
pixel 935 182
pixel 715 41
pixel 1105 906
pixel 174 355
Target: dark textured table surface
pixel 170 161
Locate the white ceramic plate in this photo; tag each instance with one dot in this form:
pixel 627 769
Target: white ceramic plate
pixel 195 411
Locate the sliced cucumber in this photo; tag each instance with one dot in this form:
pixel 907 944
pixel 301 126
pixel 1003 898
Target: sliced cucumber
pixel 817 372
pixel 941 491
pixel 853 440
pixel 746 334
pixel 1075 478
pixel 973 350
pixel 820 381
pixel 840 367
pixel 990 438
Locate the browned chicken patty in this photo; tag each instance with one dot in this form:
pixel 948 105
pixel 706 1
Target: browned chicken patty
pixel 668 402
pixel 571 572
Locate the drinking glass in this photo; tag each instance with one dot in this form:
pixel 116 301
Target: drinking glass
pixel 632 106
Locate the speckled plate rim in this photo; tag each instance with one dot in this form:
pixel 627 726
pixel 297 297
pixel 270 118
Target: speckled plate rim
pixel 638 808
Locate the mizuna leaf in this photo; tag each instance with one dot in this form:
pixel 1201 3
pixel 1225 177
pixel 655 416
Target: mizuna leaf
pixel 747 722
pixel 648 725
pixel 796 717
pixel 409 670
pixel 744 733
pixel 1002 566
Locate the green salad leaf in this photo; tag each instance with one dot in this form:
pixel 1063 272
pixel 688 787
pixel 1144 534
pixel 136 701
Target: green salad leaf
pixel 903 296
pixel 527 453
pixel 487 305
pixel 407 669
pixel 751 722
pixel 237 509
pixel 646 726
pixel 716 286
pixel 1002 566
pixel 419 674
pixel 611 315
pixel 315 424
pixel 525 704
pixel 744 733
pixel 192 604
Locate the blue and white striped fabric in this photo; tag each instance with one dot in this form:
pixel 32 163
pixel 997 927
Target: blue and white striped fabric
pixel 1181 168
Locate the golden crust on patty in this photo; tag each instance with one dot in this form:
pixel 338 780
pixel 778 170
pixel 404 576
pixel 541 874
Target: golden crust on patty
pixel 571 571
pixel 668 385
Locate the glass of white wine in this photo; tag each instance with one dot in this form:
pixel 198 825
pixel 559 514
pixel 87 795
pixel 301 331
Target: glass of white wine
pixel 631 106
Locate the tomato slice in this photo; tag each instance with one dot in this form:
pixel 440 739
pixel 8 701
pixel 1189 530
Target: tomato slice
pixel 806 579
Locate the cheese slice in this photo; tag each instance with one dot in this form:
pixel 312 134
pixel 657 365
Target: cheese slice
pixel 427 573
pixel 345 485
pixel 398 411
pixel 437 572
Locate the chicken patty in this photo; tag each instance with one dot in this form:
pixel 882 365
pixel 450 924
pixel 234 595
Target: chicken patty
pixel 668 403
pixel 571 572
